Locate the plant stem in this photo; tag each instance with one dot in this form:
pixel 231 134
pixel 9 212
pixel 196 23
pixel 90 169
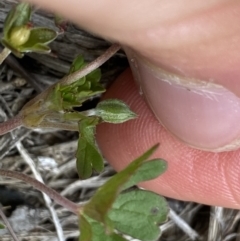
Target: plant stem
pixel 4 54
pixel 58 125
pixel 11 124
pixel 76 75
pixel 71 206
pixel 91 66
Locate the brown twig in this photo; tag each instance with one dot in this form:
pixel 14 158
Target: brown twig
pixel 69 205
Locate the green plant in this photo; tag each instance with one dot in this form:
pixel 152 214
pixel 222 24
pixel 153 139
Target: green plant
pixel 113 210
pixel 19 36
pixel 55 108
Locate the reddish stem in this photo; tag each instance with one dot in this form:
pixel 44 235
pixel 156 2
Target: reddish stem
pixel 69 79
pixel 11 124
pixel 69 205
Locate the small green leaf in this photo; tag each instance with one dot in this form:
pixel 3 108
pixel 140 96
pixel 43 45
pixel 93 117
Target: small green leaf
pixel 2 226
pixel 94 77
pixel 37 48
pixel 99 205
pixel 148 171
pixel 91 230
pixel 138 214
pixel 41 36
pixel 78 63
pixel 75 94
pixel 88 156
pixel 114 111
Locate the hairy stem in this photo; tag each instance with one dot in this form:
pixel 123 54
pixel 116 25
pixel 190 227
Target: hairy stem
pixel 56 125
pixel 78 74
pixel 4 54
pixel 11 124
pixel 91 66
pixel 71 206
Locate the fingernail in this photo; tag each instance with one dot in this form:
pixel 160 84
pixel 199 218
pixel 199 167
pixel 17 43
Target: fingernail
pixel 200 113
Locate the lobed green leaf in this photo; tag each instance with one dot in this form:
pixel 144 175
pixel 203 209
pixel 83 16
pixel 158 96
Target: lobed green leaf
pixel 91 230
pixel 88 156
pixel 148 171
pixel 100 204
pixel 139 213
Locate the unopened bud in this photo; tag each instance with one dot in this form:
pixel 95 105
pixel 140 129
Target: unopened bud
pixel 20 35
pixel 114 111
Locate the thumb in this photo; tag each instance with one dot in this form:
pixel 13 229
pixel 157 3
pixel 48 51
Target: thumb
pixel 192 175
pixel 181 55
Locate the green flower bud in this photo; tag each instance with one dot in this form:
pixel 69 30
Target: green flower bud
pixel 114 111
pixel 20 35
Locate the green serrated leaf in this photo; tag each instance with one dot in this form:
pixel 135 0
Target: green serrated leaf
pixel 139 213
pixel 148 171
pixel 90 230
pixel 114 111
pixel 99 205
pixel 18 16
pixel 2 226
pixel 88 156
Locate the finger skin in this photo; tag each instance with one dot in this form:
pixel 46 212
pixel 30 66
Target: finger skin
pixel 192 175
pixel 199 41
pixel 198 44
pixel 195 38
